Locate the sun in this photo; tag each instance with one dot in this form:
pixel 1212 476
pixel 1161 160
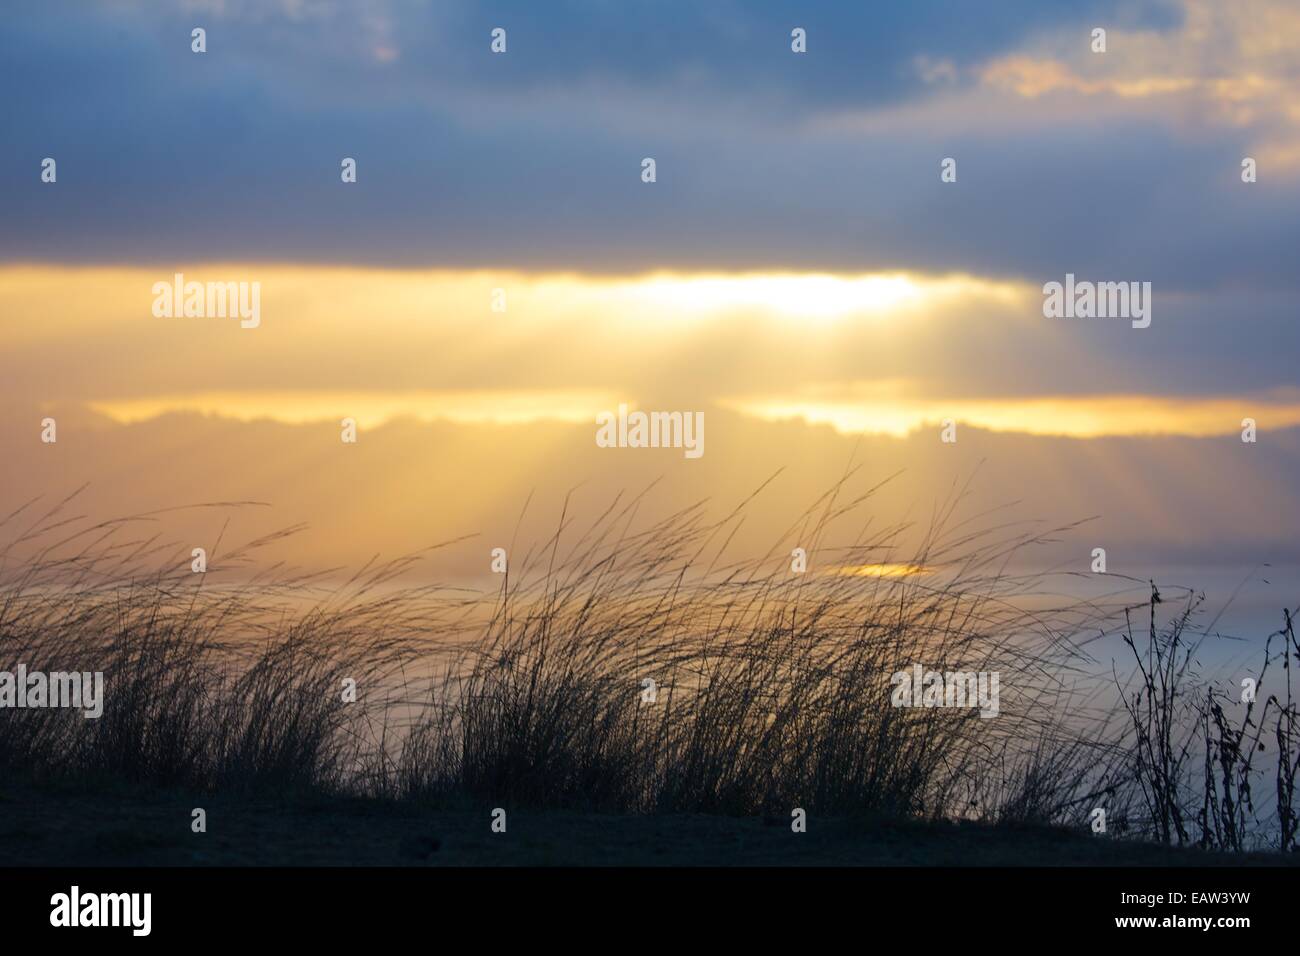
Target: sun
pixel 809 295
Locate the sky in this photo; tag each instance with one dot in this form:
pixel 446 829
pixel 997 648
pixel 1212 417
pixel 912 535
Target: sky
pixel 798 271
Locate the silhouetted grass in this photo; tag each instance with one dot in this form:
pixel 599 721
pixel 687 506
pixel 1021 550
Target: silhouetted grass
pixel 625 669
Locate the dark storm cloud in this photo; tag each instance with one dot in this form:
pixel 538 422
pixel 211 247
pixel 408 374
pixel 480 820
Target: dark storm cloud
pixel 532 159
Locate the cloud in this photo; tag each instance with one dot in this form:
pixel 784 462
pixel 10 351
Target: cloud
pixel 407 485
pixel 532 159
pixel 1225 65
pixel 371 407
pixel 87 334
pixel 869 408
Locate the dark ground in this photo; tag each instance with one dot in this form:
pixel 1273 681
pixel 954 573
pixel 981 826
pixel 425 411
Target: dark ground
pixel 131 828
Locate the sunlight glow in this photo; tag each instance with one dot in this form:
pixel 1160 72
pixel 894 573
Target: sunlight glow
pixel 808 295
pixel 868 411
pixel 884 570
pixel 372 408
